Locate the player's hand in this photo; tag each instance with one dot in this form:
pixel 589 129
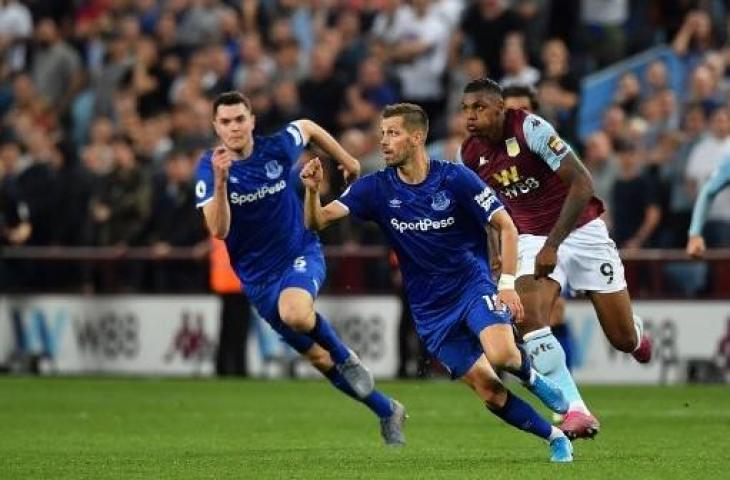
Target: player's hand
pixel 545 261
pixel 696 246
pixel 312 175
pixel 222 161
pixel 511 300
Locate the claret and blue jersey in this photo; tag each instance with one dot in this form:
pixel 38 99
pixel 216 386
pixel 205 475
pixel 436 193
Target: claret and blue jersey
pixel 267 229
pixel 437 230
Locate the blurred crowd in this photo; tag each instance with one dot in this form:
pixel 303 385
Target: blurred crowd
pixel 105 105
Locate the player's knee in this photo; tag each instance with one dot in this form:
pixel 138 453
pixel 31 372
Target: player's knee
pixel 296 317
pixel 505 359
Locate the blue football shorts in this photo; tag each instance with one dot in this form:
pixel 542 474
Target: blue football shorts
pixel 307 272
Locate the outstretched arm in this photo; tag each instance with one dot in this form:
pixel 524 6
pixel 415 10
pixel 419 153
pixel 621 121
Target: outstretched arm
pixel 314 133
pixel 719 180
pixel 502 222
pixel 317 217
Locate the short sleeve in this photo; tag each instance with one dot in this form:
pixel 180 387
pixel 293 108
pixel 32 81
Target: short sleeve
pixel 475 195
pixel 204 182
pixel 356 198
pixel 292 141
pixel 543 140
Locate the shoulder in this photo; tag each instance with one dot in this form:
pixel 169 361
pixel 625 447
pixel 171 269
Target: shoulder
pixel 204 161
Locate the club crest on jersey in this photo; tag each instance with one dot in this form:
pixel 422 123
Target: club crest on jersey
pixel 273 169
pixel 513 148
pixel 395 203
pixel 440 201
pixel 200 189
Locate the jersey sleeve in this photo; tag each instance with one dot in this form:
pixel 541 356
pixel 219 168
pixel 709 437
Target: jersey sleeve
pixel 292 142
pixel 204 182
pixel 356 198
pixel 720 179
pixel 544 141
pixel 475 195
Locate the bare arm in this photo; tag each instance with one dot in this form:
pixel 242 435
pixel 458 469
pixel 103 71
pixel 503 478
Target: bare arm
pixel 502 222
pixel 217 212
pixel 580 190
pixel 314 133
pixel 317 217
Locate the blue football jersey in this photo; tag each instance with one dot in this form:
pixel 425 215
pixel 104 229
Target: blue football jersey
pixel 436 229
pixel 267 227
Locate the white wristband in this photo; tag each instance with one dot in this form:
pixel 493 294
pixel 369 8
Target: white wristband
pixel 506 282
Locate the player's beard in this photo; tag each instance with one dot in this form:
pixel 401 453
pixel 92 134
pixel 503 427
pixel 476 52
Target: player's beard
pixel 401 158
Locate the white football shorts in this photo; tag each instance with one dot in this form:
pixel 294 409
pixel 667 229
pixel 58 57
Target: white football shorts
pixel 587 259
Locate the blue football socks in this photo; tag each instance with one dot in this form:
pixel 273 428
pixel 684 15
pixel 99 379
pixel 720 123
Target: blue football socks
pixel 379 403
pixel 520 414
pixel 325 335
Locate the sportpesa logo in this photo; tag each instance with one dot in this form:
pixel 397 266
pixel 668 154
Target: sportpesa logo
pixel 241 198
pixel 421 225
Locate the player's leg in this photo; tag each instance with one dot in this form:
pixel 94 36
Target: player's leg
pixel 461 353
pixel 515 411
pixel 493 329
pixel 299 287
pixel 546 353
pixel 595 267
pixel 623 329
pixel 391 413
pixel 498 344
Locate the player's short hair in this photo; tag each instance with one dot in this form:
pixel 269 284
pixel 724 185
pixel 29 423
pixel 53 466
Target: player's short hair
pixel 522 91
pixel 230 98
pixel 484 85
pixel 414 117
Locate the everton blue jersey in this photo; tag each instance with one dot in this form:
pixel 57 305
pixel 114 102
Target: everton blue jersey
pixel 436 229
pixel 267 227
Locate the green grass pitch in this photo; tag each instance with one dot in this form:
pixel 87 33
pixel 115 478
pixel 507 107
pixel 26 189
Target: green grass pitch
pixel 52 428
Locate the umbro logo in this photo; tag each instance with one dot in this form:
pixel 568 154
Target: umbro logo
pixel 395 203
pixel 233 179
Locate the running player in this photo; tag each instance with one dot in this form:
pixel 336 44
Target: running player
pixel 247 200
pixel 549 194
pixel 434 214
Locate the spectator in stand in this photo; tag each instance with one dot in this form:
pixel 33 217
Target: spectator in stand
pixel 558 88
pixel 602 31
pixel 634 201
pixel 515 65
pixel 322 93
pixel 677 217
pixel 174 222
pixel 628 94
pixel 16 28
pixel 416 46
pixel 484 27
pixel 56 69
pixel 600 160
pixel 367 96
pixel 120 205
pixel 615 124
